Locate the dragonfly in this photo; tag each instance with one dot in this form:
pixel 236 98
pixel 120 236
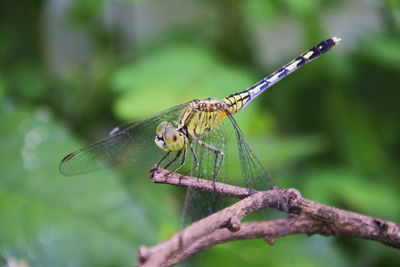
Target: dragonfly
pixel 192 133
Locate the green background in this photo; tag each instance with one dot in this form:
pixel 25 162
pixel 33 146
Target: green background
pixel 71 70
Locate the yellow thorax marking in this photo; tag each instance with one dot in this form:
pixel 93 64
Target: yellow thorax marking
pixel 202 116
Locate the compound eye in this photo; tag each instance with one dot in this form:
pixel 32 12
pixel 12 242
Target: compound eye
pixel 162 127
pixel 168 138
pixel 171 135
pixel 174 140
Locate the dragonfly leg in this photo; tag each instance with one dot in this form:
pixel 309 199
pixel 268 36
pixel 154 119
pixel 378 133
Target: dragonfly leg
pixel 159 162
pixel 163 158
pixel 195 159
pixel 219 157
pixel 182 161
pixel 178 154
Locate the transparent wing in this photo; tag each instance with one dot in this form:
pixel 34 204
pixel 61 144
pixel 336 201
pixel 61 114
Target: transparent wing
pixel 134 142
pixel 255 176
pixel 201 204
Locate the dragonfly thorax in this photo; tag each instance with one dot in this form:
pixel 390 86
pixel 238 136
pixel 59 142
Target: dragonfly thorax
pixel 169 138
pixel 202 116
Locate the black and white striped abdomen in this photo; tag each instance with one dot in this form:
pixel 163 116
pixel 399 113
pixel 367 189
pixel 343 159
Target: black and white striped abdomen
pixel 249 94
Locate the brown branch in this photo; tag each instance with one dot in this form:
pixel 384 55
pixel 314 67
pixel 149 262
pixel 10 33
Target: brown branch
pixel 268 230
pixel 225 225
pixel 163 176
pixel 227 218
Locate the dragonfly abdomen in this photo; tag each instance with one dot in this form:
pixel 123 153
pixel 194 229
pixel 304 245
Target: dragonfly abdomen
pixel 239 100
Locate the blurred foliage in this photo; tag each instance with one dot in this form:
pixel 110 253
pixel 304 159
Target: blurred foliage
pixel 83 12
pixel 47 220
pixel 71 71
pixel 180 71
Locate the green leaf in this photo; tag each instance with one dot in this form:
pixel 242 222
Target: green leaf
pixel 171 76
pixel 288 251
pixel 260 11
pixel 2 90
pixel 50 220
pixel 383 50
pixel 347 188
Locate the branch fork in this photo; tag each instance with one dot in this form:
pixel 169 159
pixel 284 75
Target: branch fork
pixel 305 217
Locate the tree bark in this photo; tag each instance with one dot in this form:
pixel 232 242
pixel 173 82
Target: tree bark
pixel 305 217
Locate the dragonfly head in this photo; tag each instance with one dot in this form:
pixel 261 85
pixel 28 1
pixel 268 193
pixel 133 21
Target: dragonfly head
pixel 168 138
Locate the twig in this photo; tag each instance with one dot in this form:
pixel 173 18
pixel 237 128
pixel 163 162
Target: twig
pixel 227 218
pixel 268 230
pixel 163 176
pixel 225 224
